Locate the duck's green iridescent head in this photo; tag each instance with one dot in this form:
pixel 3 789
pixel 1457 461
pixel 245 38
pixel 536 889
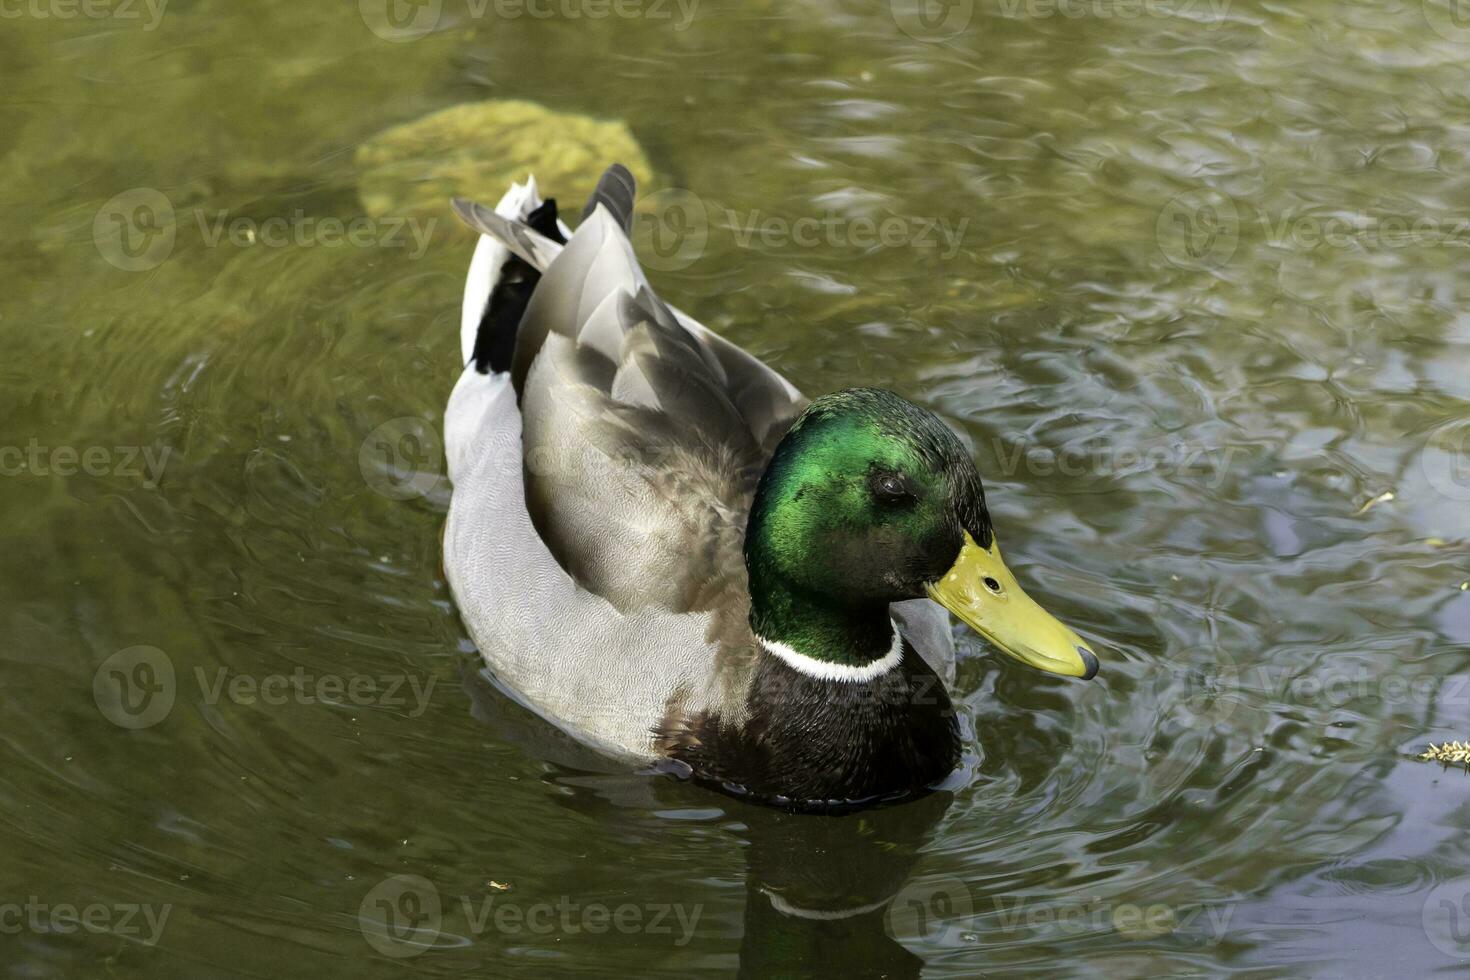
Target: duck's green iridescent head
pixel 868 500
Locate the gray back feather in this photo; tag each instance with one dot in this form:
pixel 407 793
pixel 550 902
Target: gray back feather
pixel 643 439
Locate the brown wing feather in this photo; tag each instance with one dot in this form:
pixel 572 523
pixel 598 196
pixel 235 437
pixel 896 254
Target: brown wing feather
pixel 643 441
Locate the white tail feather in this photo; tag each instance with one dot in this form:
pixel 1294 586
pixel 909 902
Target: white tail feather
pixel 485 266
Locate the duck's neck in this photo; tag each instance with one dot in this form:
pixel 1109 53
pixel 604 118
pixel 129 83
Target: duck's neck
pixel 819 628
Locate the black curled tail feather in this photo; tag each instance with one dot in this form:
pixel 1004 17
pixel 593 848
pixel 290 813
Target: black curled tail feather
pixel 616 190
pixel 495 339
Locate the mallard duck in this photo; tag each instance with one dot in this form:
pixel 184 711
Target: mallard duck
pixel 662 547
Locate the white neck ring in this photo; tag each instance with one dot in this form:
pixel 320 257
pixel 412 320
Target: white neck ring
pixel 826 670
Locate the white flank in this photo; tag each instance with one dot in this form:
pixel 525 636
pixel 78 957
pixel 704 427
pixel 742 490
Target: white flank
pixel 826 670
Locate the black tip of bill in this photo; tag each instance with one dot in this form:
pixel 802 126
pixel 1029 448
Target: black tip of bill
pixel 1089 661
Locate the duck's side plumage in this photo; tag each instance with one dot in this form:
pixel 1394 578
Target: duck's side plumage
pixel 603 474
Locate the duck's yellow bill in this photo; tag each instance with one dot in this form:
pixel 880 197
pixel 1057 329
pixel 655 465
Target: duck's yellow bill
pixel 980 590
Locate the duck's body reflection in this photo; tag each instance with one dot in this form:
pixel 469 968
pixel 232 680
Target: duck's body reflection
pixel 819 890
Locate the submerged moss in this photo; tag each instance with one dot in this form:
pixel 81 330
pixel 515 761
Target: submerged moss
pixel 477 149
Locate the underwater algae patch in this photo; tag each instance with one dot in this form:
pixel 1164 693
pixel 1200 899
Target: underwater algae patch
pixel 476 149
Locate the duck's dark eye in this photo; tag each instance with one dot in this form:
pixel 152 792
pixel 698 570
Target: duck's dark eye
pixel 890 488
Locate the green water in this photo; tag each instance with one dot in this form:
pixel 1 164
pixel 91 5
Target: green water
pixel 1181 406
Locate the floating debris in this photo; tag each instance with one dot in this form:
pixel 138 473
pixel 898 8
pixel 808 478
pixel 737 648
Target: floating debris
pixel 1457 753
pixel 1382 498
